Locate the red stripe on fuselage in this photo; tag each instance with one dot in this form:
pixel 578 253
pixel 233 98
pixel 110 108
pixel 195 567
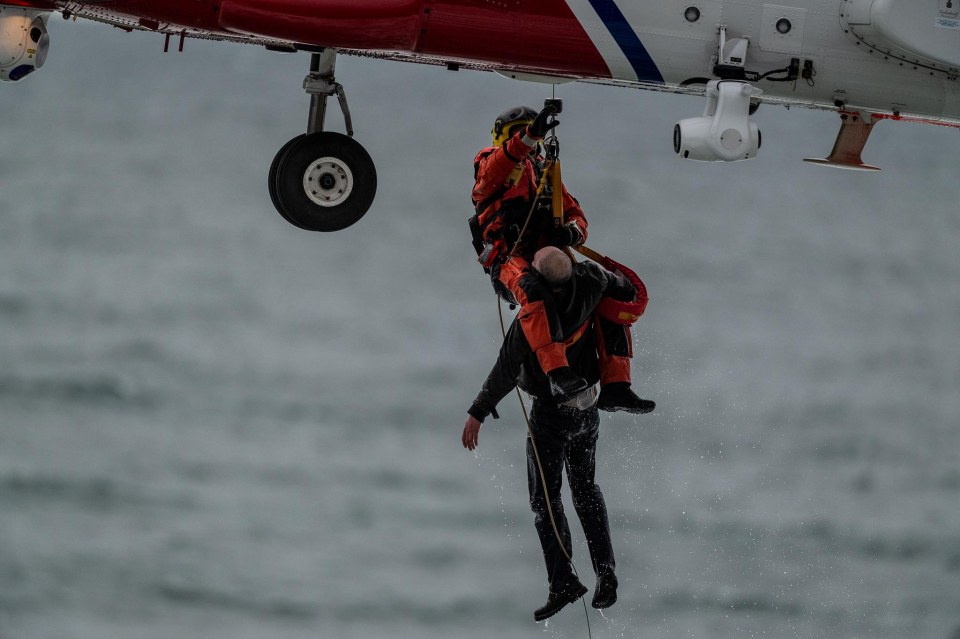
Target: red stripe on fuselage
pixel 529 35
pixel 535 35
pixel 31 4
pixel 539 35
pixel 390 25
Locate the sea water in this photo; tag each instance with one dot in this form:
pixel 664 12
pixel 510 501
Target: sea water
pixel 215 425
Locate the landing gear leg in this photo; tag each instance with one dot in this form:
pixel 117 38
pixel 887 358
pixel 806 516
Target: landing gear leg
pixel 323 181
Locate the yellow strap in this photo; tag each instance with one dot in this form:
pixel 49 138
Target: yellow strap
pixel 557 185
pixel 543 179
pixel 589 253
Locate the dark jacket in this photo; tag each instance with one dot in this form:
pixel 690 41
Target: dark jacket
pixel 518 365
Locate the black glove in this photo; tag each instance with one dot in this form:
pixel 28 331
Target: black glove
pixel 541 125
pixel 565 235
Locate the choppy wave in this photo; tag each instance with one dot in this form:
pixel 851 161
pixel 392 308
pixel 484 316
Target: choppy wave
pixel 89 491
pixel 12 305
pixel 688 600
pixel 82 492
pixel 463 609
pixel 395 607
pixel 93 389
pixel 238 602
pixel 881 545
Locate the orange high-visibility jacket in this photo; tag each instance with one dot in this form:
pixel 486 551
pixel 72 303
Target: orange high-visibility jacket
pixel 506 184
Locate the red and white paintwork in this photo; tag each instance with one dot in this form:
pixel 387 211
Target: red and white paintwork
pixel 867 59
pixel 568 38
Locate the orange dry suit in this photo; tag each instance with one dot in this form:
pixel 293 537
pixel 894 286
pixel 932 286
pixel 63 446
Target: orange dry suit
pixel 504 197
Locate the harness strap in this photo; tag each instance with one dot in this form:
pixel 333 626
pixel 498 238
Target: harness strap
pixel 547 172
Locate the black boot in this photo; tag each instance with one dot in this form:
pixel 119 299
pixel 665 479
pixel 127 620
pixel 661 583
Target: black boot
pixel 557 600
pixel 619 396
pixel 606 593
pixel 564 382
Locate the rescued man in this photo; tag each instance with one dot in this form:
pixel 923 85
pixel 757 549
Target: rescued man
pixel 563 432
pixel 511 224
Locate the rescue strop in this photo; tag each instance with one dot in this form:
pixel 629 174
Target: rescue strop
pixel 625 313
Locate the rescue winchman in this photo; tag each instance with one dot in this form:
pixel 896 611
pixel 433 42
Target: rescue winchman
pixel 512 222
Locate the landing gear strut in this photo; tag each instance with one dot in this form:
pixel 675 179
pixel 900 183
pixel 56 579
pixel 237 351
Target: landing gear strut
pixel 323 181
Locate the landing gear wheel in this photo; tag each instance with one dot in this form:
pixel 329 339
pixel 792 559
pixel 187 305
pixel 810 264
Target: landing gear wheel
pixel 323 182
pixel 272 179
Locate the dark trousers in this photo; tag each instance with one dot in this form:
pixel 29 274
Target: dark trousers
pixel 567 437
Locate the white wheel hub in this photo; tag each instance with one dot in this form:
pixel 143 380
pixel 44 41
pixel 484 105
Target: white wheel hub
pixel 328 182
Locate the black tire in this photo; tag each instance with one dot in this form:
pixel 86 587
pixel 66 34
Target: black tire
pixel 272 178
pixel 324 182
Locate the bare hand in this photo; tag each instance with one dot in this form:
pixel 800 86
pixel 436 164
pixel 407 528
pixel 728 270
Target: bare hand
pixel 471 432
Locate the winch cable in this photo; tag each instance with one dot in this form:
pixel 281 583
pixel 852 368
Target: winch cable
pixel 543 478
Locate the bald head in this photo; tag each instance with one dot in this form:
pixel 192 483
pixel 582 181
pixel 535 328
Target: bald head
pixel 555 265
